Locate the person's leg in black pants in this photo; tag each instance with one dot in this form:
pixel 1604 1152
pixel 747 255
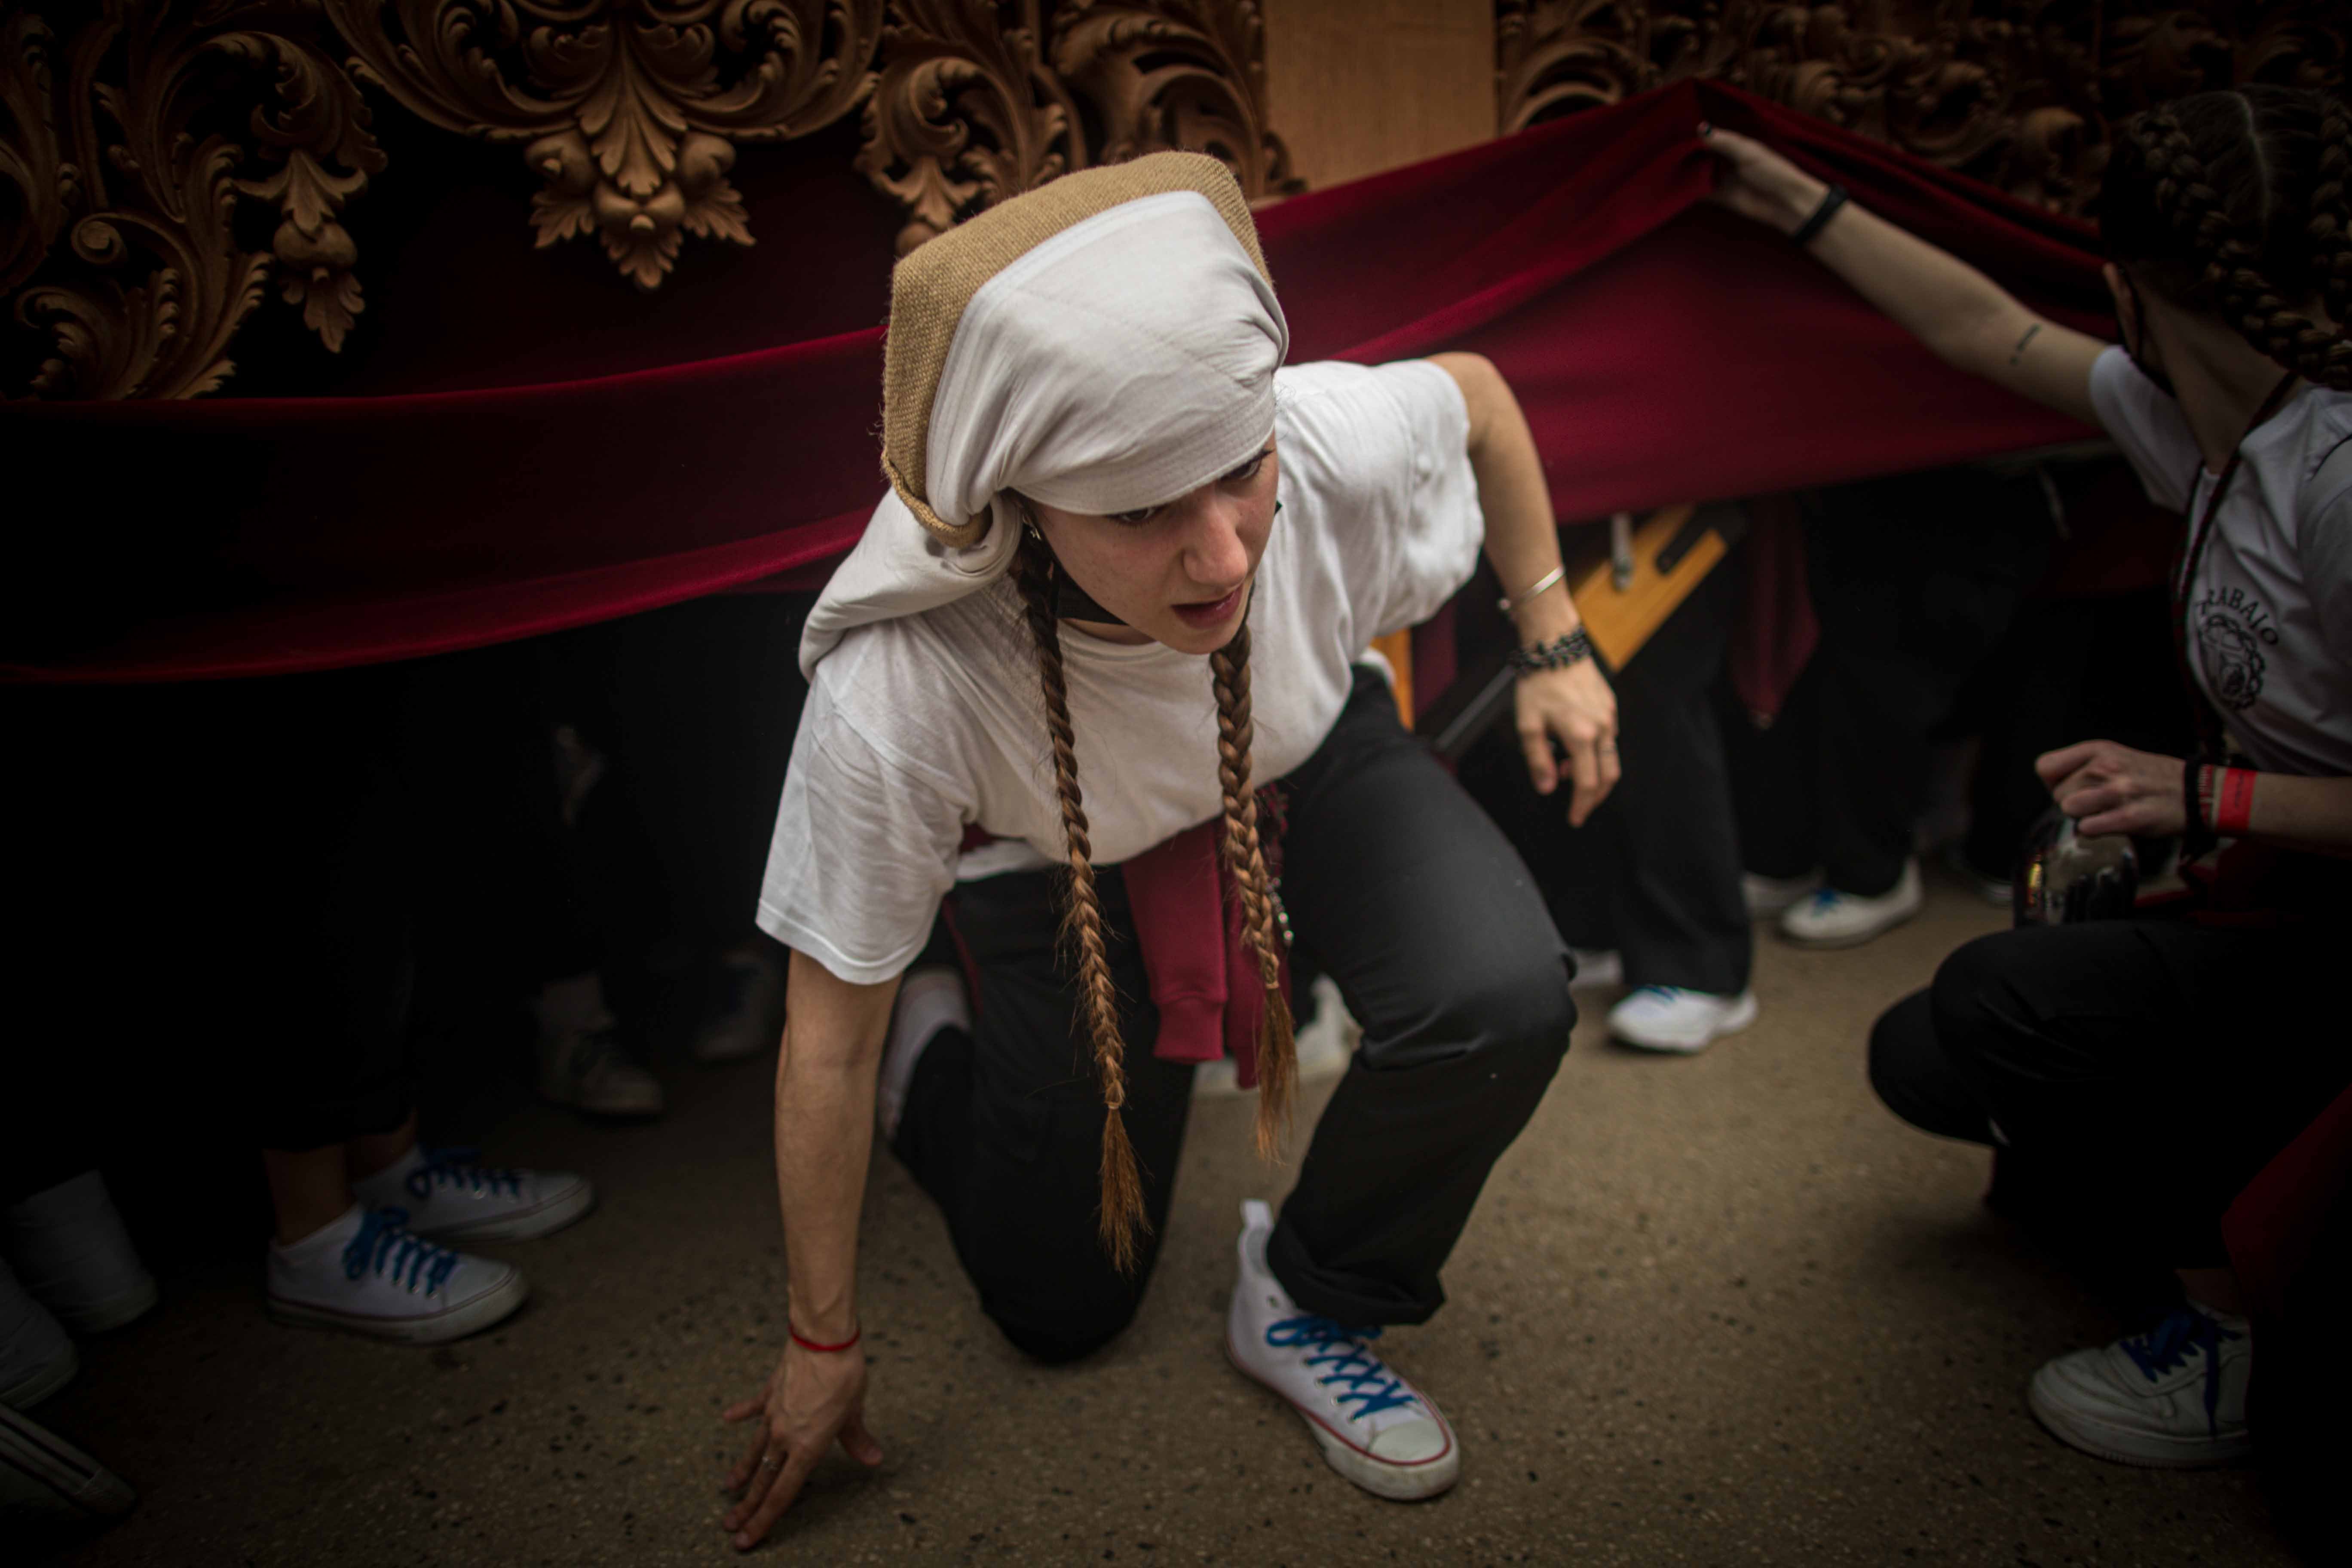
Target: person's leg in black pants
pixel 1913 579
pixel 1655 873
pixel 1003 1126
pixel 2103 1052
pixel 1439 940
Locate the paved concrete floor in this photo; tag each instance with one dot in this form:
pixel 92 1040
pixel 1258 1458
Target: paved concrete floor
pixel 1712 1310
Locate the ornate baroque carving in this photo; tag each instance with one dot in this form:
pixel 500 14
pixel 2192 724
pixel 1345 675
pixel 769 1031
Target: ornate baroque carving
pixel 624 107
pixel 979 100
pixel 2018 92
pixel 132 141
pixel 126 140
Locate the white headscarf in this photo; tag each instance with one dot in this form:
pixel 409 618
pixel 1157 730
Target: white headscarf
pixel 1121 364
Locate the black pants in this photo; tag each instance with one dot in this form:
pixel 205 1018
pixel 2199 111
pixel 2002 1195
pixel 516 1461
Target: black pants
pixel 1655 873
pixel 2145 1069
pixel 1913 579
pixel 1430 925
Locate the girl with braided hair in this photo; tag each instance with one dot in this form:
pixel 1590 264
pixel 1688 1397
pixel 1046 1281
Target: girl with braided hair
pixel 1117 588
pixel 2087 1052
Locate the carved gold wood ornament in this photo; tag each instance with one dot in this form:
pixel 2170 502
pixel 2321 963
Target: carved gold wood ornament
pixel 624 107
pixel 2016 92
pixel 979 100
pixel 134 136
pixel 125 139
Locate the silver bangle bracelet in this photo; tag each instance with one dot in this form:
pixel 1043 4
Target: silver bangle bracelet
pixel 1538 586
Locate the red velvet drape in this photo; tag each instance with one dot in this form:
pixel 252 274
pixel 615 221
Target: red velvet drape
pixel 1664 351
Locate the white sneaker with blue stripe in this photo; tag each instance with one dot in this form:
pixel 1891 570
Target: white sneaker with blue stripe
pixel 1373 1426
pixel 2173 1398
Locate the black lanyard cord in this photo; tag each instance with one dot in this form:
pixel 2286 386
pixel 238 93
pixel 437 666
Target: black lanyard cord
pixel 2211 736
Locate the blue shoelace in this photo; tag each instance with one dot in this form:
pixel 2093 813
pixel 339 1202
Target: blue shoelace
pixel 382 1247
pixel 1664 993
pixel 1346 1352
pixel 2172 1342
pixel 1825 897
pixel 456 1168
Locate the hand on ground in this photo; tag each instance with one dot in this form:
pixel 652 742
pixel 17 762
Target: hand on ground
pixel 812 1399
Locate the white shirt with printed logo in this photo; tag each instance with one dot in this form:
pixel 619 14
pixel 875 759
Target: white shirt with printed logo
pixel 920 725
pixel 2269 610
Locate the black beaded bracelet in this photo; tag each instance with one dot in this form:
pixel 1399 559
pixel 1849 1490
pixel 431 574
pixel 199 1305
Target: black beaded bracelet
pixel 1557 654
pixel 2197 836
pixel 1831 199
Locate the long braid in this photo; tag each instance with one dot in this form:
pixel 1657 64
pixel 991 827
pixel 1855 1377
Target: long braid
pixel 1122 1216
pixel 2330 231
pixel 2233 269
pixel 1277 1052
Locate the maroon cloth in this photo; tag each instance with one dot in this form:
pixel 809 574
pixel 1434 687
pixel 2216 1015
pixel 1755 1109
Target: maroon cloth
pixel 1664 352
pixel 2273 1226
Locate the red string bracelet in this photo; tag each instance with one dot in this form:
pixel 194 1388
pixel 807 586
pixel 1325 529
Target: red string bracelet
pixel 807 1343
pixel 2234 811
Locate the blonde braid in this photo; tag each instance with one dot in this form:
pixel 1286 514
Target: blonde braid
pixel 2232 264
pixel 1278 1054
pixel 1122 1216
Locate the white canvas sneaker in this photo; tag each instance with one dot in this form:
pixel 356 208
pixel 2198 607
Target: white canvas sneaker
pixel 930 999
pixel 444 1194
pixel 1832 919
pixel 367 1274
pixel 1373 1426
pixel 2173 1398
pixel 1768 897
pixel 36 1357
pixel 1326 1046
pixel 44 1474
pixel 747 1009
pixel 1670 1018
pixel 70 1250
pixel 1597 969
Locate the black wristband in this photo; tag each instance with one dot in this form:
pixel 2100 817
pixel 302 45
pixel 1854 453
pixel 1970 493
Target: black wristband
pixel 2197 838
pixel 1557 654
pixel 1831 199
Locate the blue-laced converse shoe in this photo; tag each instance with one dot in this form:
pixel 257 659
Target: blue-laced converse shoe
pixel 447 1194
pixel 367 1274
pixel 2172 1398
pixel 1373 1426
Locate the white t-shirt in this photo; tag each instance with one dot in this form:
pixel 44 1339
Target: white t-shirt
pixel 2271 607
pixel 920 726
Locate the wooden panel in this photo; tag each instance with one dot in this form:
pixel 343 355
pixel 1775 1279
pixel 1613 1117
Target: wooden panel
pixel 1620 620
pixel 1354 87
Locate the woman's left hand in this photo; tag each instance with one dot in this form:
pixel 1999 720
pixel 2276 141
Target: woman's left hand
pixel 2107 788
pixel 1575 706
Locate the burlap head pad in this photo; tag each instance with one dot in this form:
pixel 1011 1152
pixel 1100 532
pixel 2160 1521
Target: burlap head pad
pixel 930 289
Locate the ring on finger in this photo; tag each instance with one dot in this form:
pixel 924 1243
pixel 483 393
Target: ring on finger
pixel 773 1462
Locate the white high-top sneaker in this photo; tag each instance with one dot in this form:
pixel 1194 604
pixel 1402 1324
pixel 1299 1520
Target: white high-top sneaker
pixel 43 1474
pixel 70 1250
pixel 2173 1398
pixel 1768 897
pixel 1597 969
pixel 36 1357
pixel 366 1273
pixel 1832 919
pixel 1373 1426
pixel 444 1194
pixel 1671 1018
pixel 930 999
